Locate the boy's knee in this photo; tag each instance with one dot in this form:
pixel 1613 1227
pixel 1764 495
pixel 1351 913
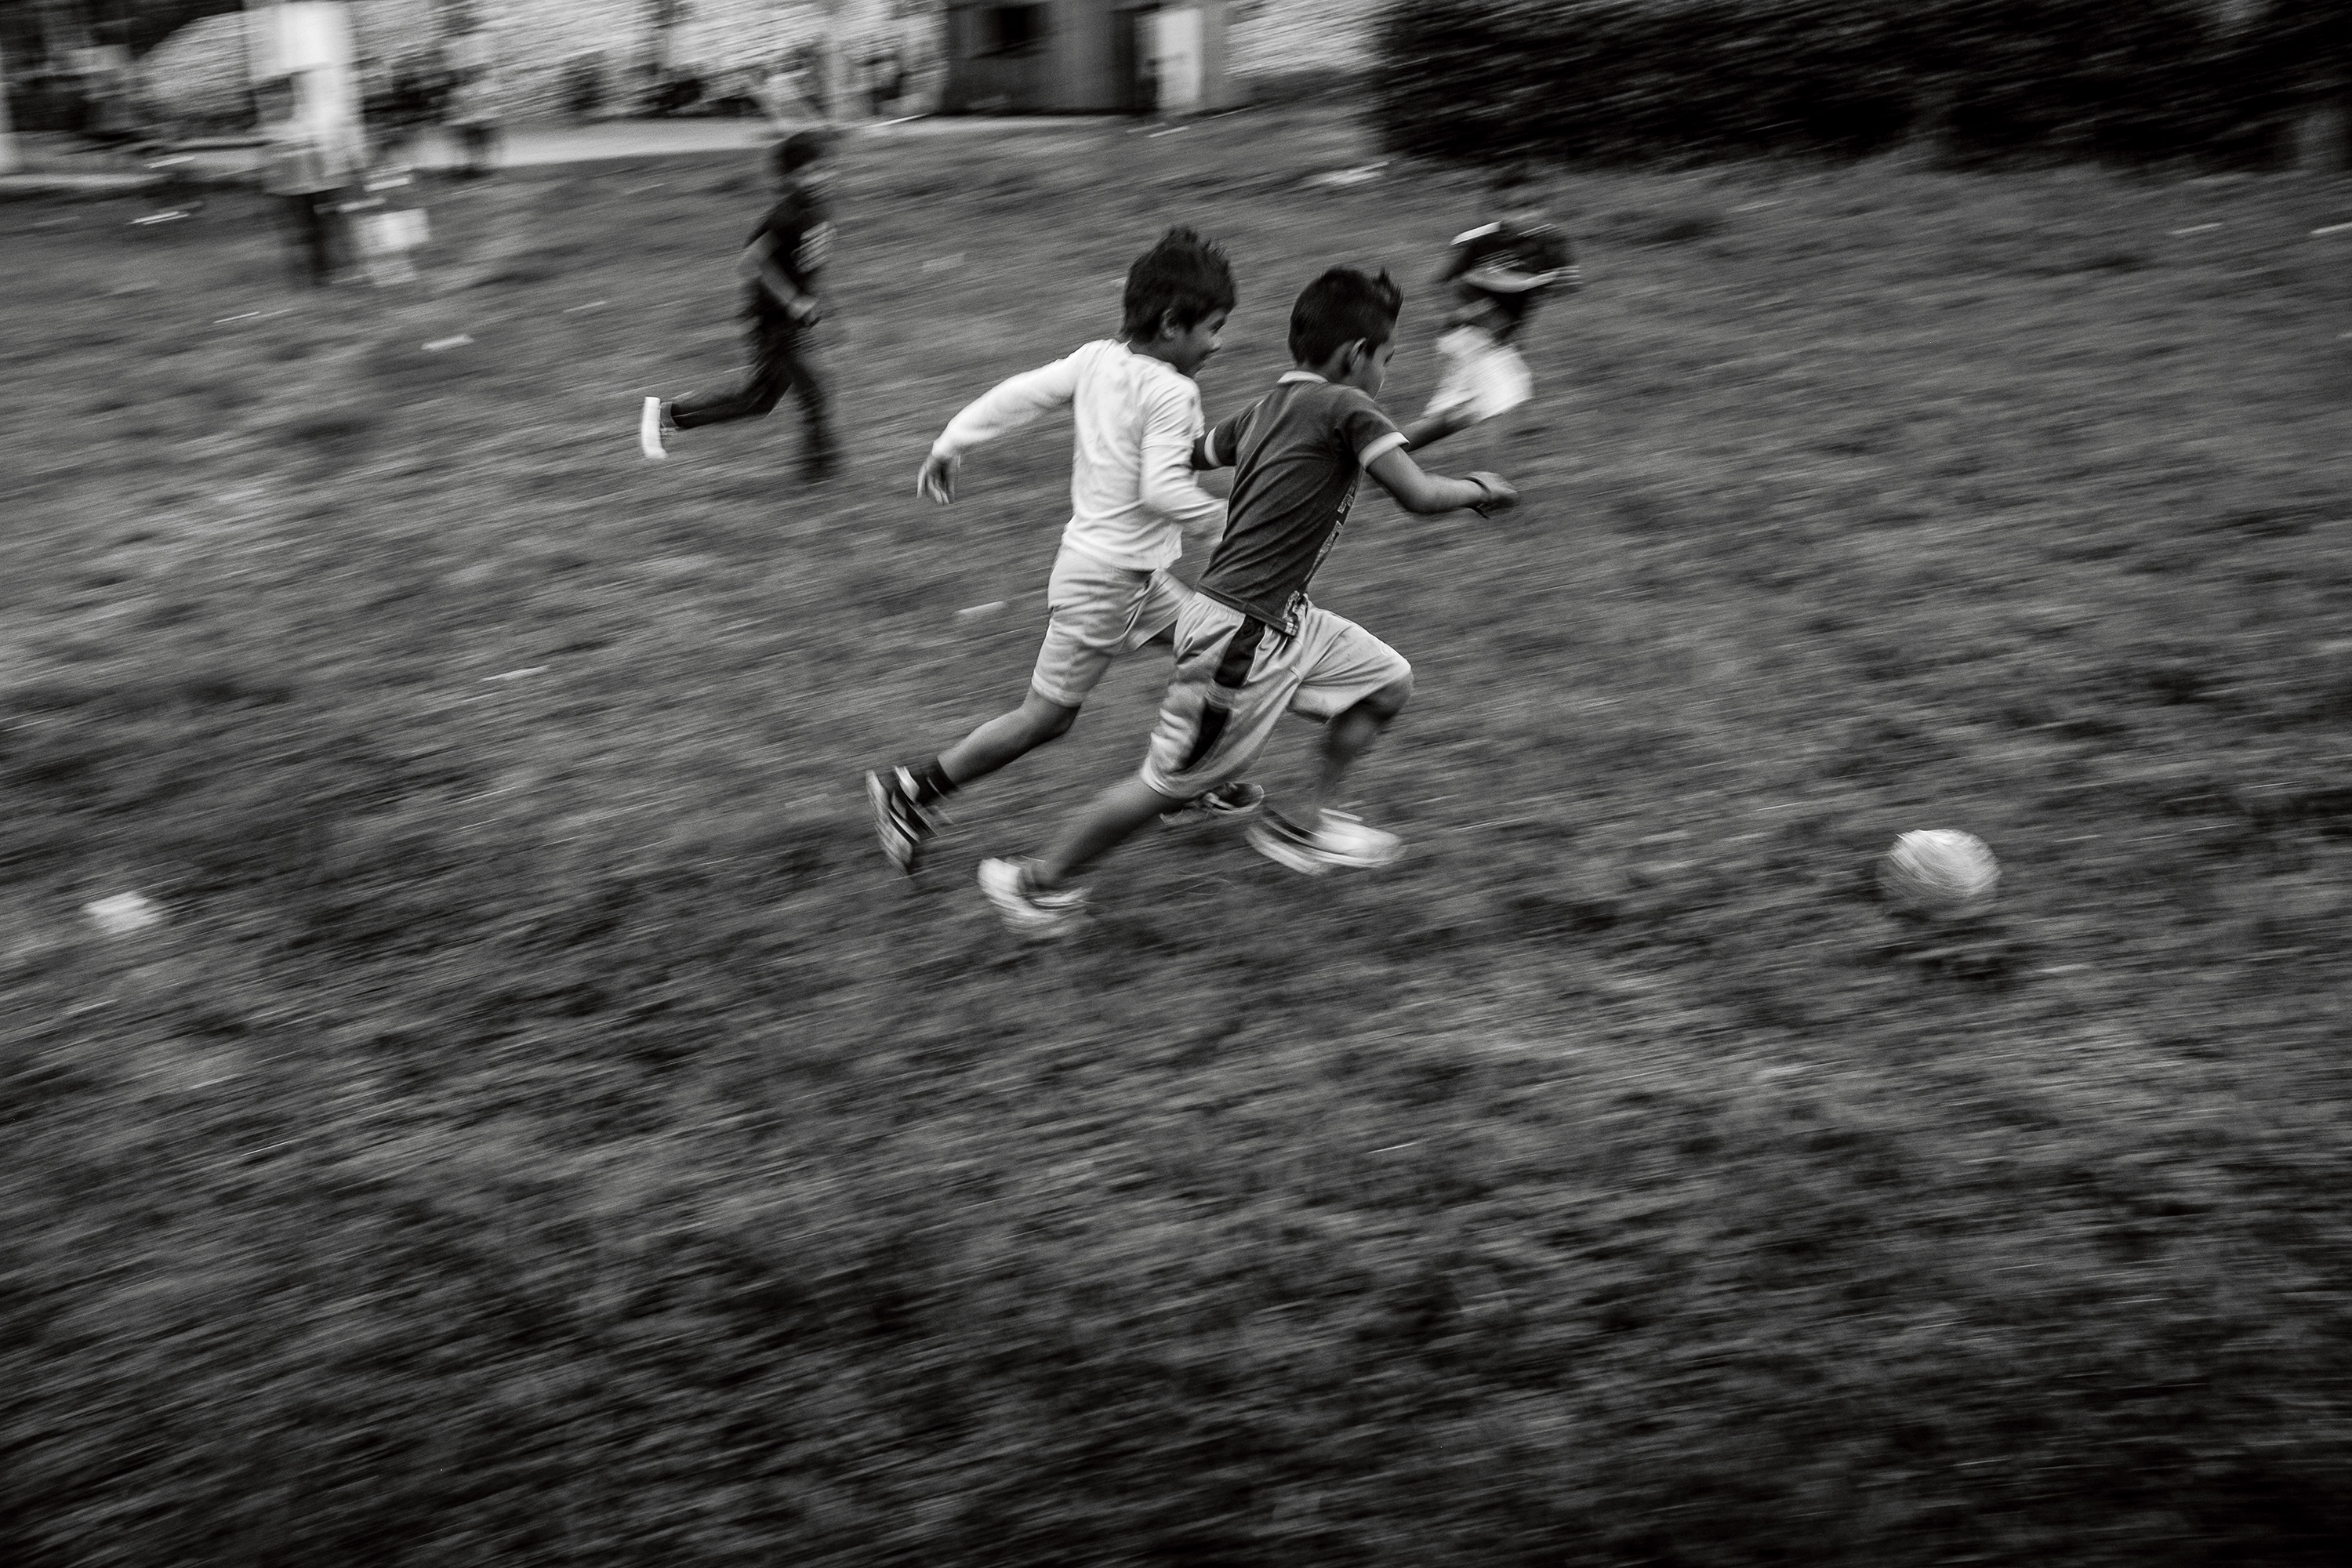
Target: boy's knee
pixel 1047 720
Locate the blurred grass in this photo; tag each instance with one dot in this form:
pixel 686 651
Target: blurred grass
pixel 545 1131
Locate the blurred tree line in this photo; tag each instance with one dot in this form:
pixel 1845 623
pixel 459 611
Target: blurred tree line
pixel 2232 82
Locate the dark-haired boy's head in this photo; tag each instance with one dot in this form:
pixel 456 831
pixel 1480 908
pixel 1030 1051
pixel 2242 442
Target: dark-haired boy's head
pixel 1181 282
pixel 796 152
pixel 1342 307
pixel 1518 188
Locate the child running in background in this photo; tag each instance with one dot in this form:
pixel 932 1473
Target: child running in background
pixel 779 265
pixel 1498 272
pixel 1249 644
pixel 1132 499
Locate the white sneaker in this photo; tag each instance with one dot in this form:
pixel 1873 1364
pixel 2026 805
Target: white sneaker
pixel 649 430
pixel 1335 839
pixel 1034 916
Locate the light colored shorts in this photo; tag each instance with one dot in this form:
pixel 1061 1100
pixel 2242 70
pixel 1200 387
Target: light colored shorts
pixel 1099 611
pixel 1484 378
pixel 1235 676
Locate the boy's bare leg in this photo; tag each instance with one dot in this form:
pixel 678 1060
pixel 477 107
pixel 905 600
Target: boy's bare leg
pixel 1006 738
pixel 1351 735
pixel 1107 821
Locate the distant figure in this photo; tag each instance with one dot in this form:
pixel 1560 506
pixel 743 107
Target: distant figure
pixel 1498 271
pixel 886 84
pixel 473 105
pixel 306 168
pixel 780 266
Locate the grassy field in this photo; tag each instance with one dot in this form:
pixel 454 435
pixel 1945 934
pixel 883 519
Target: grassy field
pixel 545 1131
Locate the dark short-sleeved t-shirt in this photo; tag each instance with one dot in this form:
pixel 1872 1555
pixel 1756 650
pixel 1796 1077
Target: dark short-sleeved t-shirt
pixel 1299 453
pixel 1534 250
pixel 799 238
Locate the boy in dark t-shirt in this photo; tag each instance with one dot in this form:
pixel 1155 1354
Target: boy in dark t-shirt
pixel 779 265
pixel 1249 644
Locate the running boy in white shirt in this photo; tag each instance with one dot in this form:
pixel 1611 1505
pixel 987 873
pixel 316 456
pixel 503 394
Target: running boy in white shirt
pixel 1133 497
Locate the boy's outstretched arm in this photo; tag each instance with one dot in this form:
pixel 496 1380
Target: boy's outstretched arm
pixel 1429 494
pixel 1431 429
pixel 1502 279
pixel 1009 405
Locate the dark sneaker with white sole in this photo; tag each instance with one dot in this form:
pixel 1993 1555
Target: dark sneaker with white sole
pixel 1221 804
pixel 903 826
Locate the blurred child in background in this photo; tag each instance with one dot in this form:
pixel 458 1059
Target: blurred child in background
pixel 474 102
pixel 306 165
pixel 780 266
pixel 1498 272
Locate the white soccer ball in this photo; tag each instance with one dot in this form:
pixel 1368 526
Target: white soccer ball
pixel 1938 870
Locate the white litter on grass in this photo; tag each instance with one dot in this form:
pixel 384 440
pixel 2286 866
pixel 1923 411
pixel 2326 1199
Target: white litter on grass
pixel 987 609
pixel 124 913
pixel 2195 228
pixel 944 263
pixel 591 305
pixel 1342 179
pixel 174 215
pixel 438 344
pixel 516 674
pixel 247 316
pixel 2331 228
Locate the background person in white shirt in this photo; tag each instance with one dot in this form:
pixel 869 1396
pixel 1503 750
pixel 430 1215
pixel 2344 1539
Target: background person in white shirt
pixel 1133 497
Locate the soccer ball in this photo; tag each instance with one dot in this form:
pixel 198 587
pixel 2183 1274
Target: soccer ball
pixel 1938 870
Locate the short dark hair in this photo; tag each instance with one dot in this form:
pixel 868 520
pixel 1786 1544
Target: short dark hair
pixel 1340 307
pixel 1184 278
pixel 797 152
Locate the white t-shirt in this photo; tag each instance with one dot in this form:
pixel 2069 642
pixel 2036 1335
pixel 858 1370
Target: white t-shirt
pixel 1132 494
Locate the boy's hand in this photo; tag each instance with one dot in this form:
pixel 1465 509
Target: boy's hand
pixel 804 310
pixel 1501 496
pixel 936 481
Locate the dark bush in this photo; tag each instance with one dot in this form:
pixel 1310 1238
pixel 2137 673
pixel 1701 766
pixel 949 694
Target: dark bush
pixel 1983 81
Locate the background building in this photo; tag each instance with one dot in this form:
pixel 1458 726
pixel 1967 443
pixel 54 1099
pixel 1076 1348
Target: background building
pixel 1115 57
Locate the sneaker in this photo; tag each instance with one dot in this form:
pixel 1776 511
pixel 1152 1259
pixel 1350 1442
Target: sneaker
pixel 902 826
pixel 649 430
pixel 1037 917
pixel 1335 839
pixel 1235 799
